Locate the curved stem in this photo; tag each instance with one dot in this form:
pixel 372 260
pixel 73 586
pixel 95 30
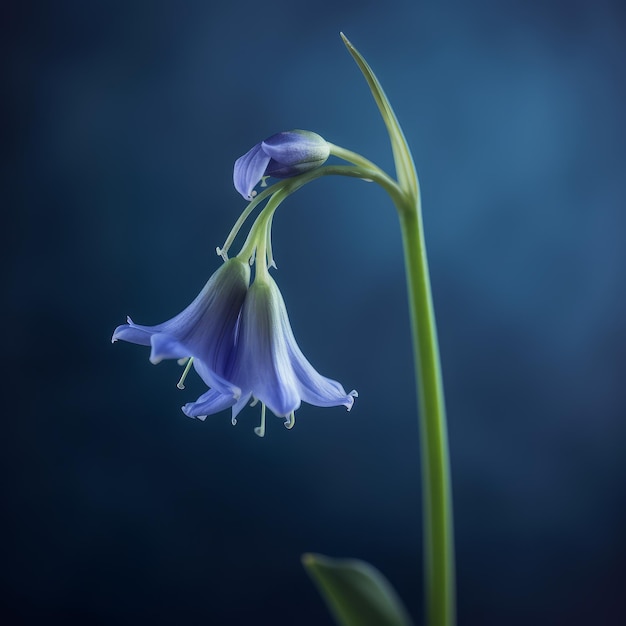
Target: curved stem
pixel 439 575
pixel 375 175
pixel 289 185
pixel 357 159
pixel 259 237
pixel 438 539
pixel 223 251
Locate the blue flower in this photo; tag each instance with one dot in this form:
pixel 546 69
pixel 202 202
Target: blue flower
pixel 242 346
pixel 268 365
pixel 205 330
pixel 282 155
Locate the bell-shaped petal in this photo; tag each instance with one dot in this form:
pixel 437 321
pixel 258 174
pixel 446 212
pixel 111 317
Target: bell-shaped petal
pixel 205 330
pixel 270 366
pixel 208 403
pixel 282 155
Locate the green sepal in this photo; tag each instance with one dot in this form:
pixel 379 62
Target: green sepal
pixel 356 593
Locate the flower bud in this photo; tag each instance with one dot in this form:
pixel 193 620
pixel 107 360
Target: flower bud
pixel 282 155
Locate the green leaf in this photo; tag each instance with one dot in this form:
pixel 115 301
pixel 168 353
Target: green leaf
pixel 405 168
pixel 356 593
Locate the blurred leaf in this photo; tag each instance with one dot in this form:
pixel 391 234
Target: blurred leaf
pixel 356 593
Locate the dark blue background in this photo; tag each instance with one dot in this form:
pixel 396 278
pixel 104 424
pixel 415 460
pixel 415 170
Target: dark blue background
pixel 121 122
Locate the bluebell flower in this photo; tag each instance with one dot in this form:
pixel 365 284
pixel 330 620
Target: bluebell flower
pixel 269 366
pixel 205 330
pixel 241 344
pixel 282 155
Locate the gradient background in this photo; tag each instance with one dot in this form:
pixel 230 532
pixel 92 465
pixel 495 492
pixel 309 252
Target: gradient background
pixel 121 123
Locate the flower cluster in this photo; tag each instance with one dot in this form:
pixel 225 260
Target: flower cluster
pixel 237 335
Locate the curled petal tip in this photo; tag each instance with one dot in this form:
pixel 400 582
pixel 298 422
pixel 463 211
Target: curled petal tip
pixel 350 400
pixel 290 421
pixel 187 409
pixel 249 169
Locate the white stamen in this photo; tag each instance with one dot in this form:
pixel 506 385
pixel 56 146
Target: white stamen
pixel 264 181
pixel 183 360
pixel 223 252
pixel 254 402
pixel 290 421
pixel 181 383
pixel 260 430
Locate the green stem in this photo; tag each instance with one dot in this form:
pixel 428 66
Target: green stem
pixel 439 575
pixel 290 185
pixel 357 159
pixel 438 536
pixel 438 539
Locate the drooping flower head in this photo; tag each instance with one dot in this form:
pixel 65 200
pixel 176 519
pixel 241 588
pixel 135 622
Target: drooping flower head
pixel 269 367
pixel 241 344
pixel 205 330
pixel 282 155
pixel 238 337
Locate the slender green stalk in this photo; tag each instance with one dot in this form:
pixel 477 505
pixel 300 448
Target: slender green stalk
pixel 438 538
pixel 279 191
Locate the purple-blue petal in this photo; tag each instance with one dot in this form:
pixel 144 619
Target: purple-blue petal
pixel 269 361
pixel 282 155
pixel 313 387
pixel 262 364
pixel 295 147
pixel 215 380
pixel 205 330
pixel 278 170
pixel 249 169
pixel 129 332
pixel 166 346
pixel 240 404
pixel 208 403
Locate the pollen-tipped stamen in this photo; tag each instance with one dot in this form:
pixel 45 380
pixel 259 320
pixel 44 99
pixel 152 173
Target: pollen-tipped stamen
pixel 181 383
pixel 260 430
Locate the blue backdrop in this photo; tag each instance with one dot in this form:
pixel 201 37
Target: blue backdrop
pixel 120 128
